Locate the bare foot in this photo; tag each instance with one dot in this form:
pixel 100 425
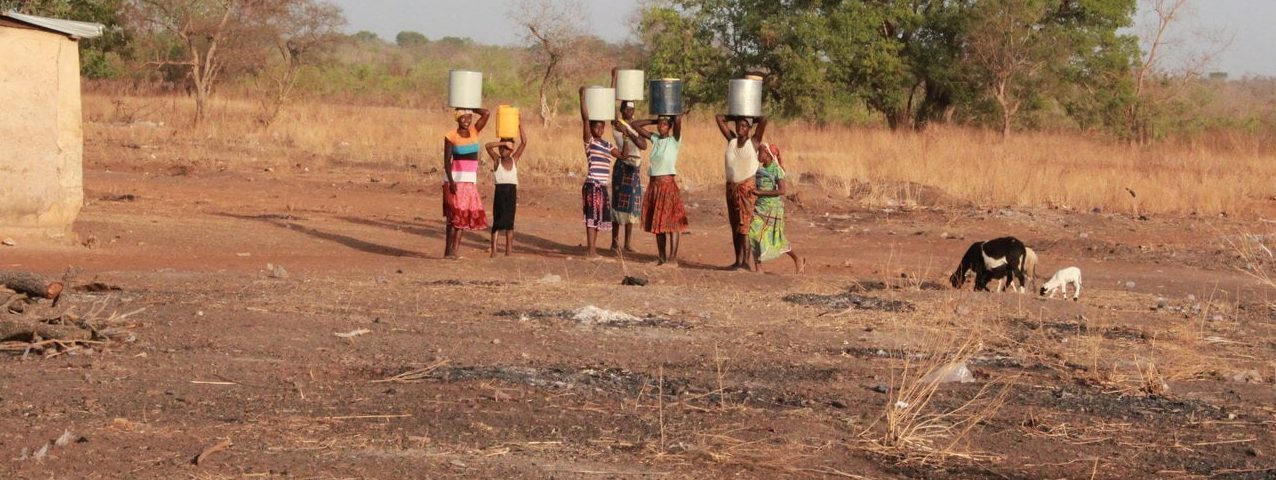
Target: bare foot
pixel 629 249
pixel 451 257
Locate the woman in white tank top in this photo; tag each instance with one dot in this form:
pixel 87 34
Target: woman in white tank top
pixel 741 165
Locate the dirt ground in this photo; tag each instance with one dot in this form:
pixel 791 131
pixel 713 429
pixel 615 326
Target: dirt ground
pixel 481 368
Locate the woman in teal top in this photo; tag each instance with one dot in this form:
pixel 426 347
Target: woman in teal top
pixel 766 232
pixel 663 212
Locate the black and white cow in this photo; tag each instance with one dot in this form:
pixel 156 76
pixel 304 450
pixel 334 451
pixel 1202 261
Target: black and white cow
pixel 994 259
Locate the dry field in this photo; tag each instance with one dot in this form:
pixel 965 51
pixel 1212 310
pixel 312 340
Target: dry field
pixel 487 368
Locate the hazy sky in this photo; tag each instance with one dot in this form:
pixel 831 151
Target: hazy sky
pixel 1247 23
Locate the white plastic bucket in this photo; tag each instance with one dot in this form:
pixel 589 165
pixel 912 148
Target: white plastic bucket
pixel 744 97
pixel 629 85
pixel 601 103
pixel 465 89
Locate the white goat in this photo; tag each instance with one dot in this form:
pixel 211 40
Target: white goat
pixel 1060 280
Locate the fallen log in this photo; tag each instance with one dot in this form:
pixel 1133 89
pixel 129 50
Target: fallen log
pixel 13 330
pixel 31 284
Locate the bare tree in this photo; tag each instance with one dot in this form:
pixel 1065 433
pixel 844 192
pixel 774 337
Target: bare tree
pixel 214 34
pixel 297 30
pixel 1004 51
pixel 1155 82
pixel 551 33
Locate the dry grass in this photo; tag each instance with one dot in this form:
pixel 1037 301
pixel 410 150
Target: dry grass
pixel 878 166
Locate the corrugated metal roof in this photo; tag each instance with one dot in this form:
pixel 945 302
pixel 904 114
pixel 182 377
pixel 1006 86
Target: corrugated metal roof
pixel 70 27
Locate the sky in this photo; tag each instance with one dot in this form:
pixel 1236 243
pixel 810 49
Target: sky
pixel 1244 26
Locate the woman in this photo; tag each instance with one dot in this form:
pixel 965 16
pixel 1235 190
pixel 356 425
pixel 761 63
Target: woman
pixel 600 154
pixel 741 166
pixel 663 212
pixel 626 177
pixel 462 205
pixel 766 232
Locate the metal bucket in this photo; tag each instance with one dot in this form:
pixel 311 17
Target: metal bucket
pixel 666 96
pixel 601 103
pixel 465 89
pixel 629 85
pixel 744 97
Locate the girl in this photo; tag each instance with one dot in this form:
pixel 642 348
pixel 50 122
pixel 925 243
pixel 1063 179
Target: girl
pixel 600 154
pixel 741 166
pixel 505 157
pixel 626 179
pixel 663 212
pixel 766 232
pixel 462 205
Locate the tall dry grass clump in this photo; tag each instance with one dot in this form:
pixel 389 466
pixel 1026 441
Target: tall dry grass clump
pixel 881 167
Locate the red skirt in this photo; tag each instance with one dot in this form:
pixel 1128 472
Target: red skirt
pixel 662 208
pixel 740 200
pixel 464 209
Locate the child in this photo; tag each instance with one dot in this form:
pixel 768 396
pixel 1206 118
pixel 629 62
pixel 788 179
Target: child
pixel 462 205
pixel 505 157
pixel 766 232
pixel 600 154
pixel 663 212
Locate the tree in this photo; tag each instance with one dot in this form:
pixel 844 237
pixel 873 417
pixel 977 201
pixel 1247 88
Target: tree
pixel 100 57
pixel 212 35
pixel 297 29
pixel 1007 48
pixel 1155 83
pixel 409 39
pixel 551 32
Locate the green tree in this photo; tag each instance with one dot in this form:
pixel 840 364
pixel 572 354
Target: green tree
pixel 409 39
pixel 101 57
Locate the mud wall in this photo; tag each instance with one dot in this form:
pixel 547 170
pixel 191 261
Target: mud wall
pixel 41 135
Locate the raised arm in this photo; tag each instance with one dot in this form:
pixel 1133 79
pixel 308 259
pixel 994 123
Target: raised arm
pixel 722 126
pixel 640 126
pixel 490 147
pixel 628 131
pixel 522 144
pixel 613 76
pixel 484 114
pixel 677 127
pixel 584 117
pixel 759 130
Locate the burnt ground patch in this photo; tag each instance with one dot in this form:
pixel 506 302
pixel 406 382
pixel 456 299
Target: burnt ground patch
pixel 842 301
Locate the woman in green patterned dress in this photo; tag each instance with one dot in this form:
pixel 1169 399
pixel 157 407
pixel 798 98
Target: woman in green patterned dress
pixel 766 232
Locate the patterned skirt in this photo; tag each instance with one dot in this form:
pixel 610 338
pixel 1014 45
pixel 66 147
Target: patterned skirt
pixel 596 208
pixel 504 204
pixel 740 201
pixel 766 232
pixel 626 198
pixel 464 209
pixel 663 211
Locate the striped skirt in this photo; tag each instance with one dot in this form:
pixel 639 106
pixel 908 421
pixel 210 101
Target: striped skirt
pixel 596 207
pixel 464 209
pixel 740 201
pixel 662 210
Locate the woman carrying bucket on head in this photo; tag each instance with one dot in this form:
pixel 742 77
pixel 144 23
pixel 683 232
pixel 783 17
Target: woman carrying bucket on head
pixel 599 153
pixel 626 177
pixel 744 103
pixel 505 157
pixel 663 212
pixel 462 205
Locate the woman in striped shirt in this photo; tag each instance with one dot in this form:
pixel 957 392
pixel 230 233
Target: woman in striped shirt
pixel 462 205
pixel 600 154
